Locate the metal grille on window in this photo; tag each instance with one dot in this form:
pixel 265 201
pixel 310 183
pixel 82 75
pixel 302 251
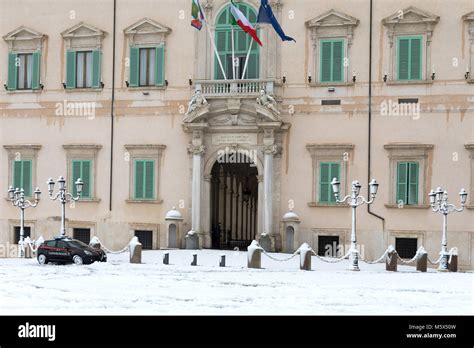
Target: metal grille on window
pixel 146 238
pixel 406 247
pixel 328 246
pixel 82 234
pixel 27 233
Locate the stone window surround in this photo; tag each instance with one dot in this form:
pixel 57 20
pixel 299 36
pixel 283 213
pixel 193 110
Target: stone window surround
pixel 337 232
pixel 420 235
pixel 83 152
pixel 14 223
pixel 72 224
pixel 470 190
pixel 23 152
pixel 469 22
pixel 406 152
pixel 147 152
pixel 320 31
pixel 424 27
pixel 26 44
pixel 146 38
pixel 155 228
pixel 329 153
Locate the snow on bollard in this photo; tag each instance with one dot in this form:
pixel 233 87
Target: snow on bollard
pixel 95 243
pixel 166 259
pixel 421 259
pixel 453 260
pixel 222 261
pixel 254 255
pixel 195 260
pixel 391 259
pixel 27 247
pixel 135 249
pixel 305 257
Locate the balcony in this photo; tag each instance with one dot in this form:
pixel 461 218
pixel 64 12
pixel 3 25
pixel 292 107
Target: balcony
pixel 234 88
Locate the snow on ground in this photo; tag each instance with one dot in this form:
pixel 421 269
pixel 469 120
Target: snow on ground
pixel 151 288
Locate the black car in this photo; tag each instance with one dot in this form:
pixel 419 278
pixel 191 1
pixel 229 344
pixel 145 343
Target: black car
pixel 67 250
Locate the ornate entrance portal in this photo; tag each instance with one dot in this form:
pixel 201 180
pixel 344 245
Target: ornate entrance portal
pixel 234 203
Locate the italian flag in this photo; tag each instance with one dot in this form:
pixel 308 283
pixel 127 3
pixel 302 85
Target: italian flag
pixel 244 23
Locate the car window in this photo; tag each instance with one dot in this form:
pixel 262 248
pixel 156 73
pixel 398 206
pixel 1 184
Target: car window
pixel 77 244
pixel 51 243
pixel 60 244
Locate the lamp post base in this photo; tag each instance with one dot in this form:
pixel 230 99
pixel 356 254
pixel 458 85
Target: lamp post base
pixel 354 261
pixel 443 262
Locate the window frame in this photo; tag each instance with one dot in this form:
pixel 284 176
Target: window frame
pixel 91 176
pixel 28 74
pixel 86 68
pixel 331 72
pixel 406 195
pixel 397 56
pixel 145 162
pixel 332 198
pixel 29 192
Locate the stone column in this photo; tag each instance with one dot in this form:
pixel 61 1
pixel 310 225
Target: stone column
pixel 269 151
pixel 197 149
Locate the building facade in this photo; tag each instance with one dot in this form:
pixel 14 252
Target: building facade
pixel 137 105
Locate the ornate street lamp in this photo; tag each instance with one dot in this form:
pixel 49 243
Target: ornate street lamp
pixel 64 197
pixel 354 200
pixel 17 198
pixel 439 204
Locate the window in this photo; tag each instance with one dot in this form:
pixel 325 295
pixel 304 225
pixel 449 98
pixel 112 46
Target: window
pixel 82 169
pixel 23 71
pixel 407 182
pixel 82 234
pixel 145 238
pixel 147 66
pixel 22 176
pixel 144 173
pixel 406 247
pixel 332 61
pixel 328 245
pixel 51 243
pixel 409 57
pixel 327 171
pixel 83 69
pixel 242 42
pixel 26 233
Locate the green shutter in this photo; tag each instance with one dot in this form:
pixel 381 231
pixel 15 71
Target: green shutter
pixel 134 66
pixel 70 69
pixel 337 61
pixel 402 178
pixel 139 173
pixel 26 180
pixel 326 48
pixel 12 71
pixel 415 59
pixel 149 179
pixel 328 171
pixel 160 66
pixel 35 78
pixel 76 174
pixel 413 183
pixel 334 174
pixel 96 58
pixel 17 168
pixel 403 59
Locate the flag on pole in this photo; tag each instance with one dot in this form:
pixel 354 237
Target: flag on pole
pixel 197 14
pixel 265 15
pixel 244 23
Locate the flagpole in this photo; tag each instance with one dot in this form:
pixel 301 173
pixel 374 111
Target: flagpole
pixel 233 54
pixel 247 59
pixel 213 43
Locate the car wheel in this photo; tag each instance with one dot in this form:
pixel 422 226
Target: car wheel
pixel 77 260
pixel 42 260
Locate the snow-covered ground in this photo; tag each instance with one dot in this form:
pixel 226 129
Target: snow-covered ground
pixel 117 287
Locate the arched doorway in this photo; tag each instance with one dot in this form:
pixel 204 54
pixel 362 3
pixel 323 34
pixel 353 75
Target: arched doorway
pixel 233 202
pixel 172 237
pixel 290 239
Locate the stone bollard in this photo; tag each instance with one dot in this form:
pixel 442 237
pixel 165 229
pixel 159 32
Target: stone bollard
pixel 265 242
pixel 166 259
pixel 135 249
pixel 254 255
pixel 222 261
pixel 195 260
pixel 421 260
pixel 391 260
pixel 95 243
pixel 453 260
pixel 27 248
pixel 192 240
pixel 305 257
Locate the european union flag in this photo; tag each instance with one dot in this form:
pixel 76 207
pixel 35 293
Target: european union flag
pixel 265 15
